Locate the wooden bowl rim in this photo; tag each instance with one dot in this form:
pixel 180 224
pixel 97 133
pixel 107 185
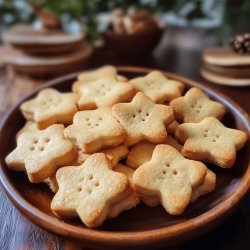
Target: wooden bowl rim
pixel 135 237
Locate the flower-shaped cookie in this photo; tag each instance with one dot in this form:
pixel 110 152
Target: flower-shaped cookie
pixel 195 106
pixel 156 86
pixel 41 152
pixel 169 177
pixel 143 119
pixel 95 129
pixel 211 141
pixel 89 190
pixel 104 92
pixel 49 107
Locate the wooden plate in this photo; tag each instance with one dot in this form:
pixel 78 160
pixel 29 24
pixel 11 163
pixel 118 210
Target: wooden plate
pixel 141 227
pixel 224 80
pixel 41 65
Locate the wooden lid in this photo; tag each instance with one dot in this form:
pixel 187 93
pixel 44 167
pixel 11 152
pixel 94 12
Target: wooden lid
pixel 28 35
pixel 224 57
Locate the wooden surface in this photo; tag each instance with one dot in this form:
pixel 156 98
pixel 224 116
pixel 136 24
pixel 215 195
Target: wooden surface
pixel 16 232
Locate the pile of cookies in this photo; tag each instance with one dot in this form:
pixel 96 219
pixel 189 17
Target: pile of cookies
pixel 112 143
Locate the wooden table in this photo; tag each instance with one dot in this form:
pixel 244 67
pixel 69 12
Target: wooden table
pixel 16 232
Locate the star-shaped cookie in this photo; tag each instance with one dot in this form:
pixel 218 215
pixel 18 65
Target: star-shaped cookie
pixel 207 186
pixel 93 75
pixel 89 190
pixel 143 119
pixel 50 107
pixel 41 152
pixel 156 86
pixel 94 129
pixel 211 141
pixel 195 106
pixel 169 177
pixel 104 92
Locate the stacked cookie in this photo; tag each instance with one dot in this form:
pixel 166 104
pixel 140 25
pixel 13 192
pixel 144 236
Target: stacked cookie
pixel 113 142
pixel 225 66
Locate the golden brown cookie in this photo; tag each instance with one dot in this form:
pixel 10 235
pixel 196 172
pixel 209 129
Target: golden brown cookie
pixel 211 141
pixel 50 107
pixel 142 152
pixel 156 86
pixel 94 129
pixel 207 186
pixel 89 190
pixel 114 154
pixel 104 92
pixel 170 177
pixel 195 106
pixel 93 75
pixel 28 126
pixel 41 152
pixel 142 119
pixel 172 127
pixel 131 200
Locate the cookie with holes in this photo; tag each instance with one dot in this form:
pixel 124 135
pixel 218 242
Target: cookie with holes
pixel 93 130
pixel 93 75
pixel 211 141
pixel 131 200
pixel 89 190
pixel 143 119
pixel 114 155
pixel 104 92
pixel 156 86
pixel 41 152
pixel 169 177
pixel 206 187
pixel 195 106
pixel 50 107
pixel 142 152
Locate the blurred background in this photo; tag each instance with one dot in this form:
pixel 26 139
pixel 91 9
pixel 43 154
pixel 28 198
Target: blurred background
pixel 187 26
